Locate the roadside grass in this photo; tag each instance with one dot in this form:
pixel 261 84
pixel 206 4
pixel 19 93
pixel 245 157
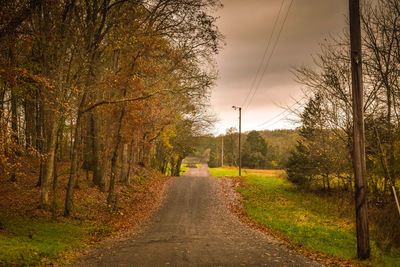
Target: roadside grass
pixel 232 171
pixel 321 222
pixel 30 241
pixel 224 172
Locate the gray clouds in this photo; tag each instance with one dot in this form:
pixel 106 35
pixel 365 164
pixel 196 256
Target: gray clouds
pixel 246 25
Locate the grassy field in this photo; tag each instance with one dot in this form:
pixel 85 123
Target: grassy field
pixel 322 223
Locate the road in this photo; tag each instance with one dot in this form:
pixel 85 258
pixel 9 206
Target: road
pixel 194 227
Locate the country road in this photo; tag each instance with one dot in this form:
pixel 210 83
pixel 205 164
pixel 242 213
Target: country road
pixel 193 227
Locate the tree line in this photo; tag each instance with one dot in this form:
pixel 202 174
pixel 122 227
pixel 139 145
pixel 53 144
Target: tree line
pixel 322 158
pixel 103 85
pixel 260 149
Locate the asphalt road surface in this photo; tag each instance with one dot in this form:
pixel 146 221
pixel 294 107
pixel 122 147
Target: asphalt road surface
pixel 193 227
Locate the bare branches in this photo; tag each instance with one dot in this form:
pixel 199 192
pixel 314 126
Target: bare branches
pixel 123 100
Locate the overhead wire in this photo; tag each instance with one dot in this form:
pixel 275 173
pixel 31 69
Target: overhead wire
pixel 268 44
pixel 287 110
pixel 270 55
pixel 277 121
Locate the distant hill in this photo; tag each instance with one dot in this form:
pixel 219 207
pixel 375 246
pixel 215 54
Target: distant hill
pixel 282 141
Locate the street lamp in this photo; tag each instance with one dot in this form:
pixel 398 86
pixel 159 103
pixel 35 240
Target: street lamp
pixel 240 133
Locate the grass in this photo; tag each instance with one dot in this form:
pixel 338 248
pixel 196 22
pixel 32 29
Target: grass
pixel 230 171
pixel 39 241
pixel 223 172
pixel 317 222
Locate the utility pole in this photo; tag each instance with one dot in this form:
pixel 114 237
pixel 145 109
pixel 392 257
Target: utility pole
pixel 359 166
pixel 240 133
pixel 222 152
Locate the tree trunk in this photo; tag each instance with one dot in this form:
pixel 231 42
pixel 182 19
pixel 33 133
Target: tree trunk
pixel 178 167
pixel 124 161
pixel 74 158
pixel 2 94
pixel 49 165
pixel 14 134
pixel 94 133
pixel 111 196
pixel 130 162
pixel 55 177
pixel 30 124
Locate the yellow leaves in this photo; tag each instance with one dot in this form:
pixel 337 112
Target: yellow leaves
pixel 165 137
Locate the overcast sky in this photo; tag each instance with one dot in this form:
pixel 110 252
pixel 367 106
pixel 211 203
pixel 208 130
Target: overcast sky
pixel 247 26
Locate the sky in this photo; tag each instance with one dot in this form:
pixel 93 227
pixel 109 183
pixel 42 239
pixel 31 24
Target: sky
pixel 247 26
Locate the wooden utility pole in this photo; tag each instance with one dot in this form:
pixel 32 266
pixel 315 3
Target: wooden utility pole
pixel 240 144
pixel 240 133
pixel 222 152
pixel 359 166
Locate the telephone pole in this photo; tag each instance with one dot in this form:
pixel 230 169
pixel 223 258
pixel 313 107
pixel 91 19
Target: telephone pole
pixel 359 166
pixel 240 133
pixel 222 152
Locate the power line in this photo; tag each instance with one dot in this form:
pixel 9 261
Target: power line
pixel 272 119
pixel 275 122
pixel 298 102
pixel 270 55
pixel 268 44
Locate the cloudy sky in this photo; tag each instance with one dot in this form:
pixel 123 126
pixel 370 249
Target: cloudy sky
pixel 247 26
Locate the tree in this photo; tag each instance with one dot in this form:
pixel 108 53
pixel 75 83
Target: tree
pixel 254 151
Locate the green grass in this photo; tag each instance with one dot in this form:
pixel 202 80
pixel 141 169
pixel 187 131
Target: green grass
pixel 224 172
pixel 322 223
pixel 38 242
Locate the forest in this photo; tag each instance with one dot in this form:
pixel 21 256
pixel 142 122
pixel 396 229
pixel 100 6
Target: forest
pixel 91 89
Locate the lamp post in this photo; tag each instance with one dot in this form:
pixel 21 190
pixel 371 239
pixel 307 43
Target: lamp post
pixel 240 133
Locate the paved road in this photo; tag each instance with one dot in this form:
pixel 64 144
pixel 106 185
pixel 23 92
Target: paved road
pixel 194 228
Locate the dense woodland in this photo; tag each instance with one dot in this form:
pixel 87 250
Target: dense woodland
pixel 103 85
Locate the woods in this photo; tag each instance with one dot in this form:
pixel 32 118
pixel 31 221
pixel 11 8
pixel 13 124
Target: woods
pixel 103 85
